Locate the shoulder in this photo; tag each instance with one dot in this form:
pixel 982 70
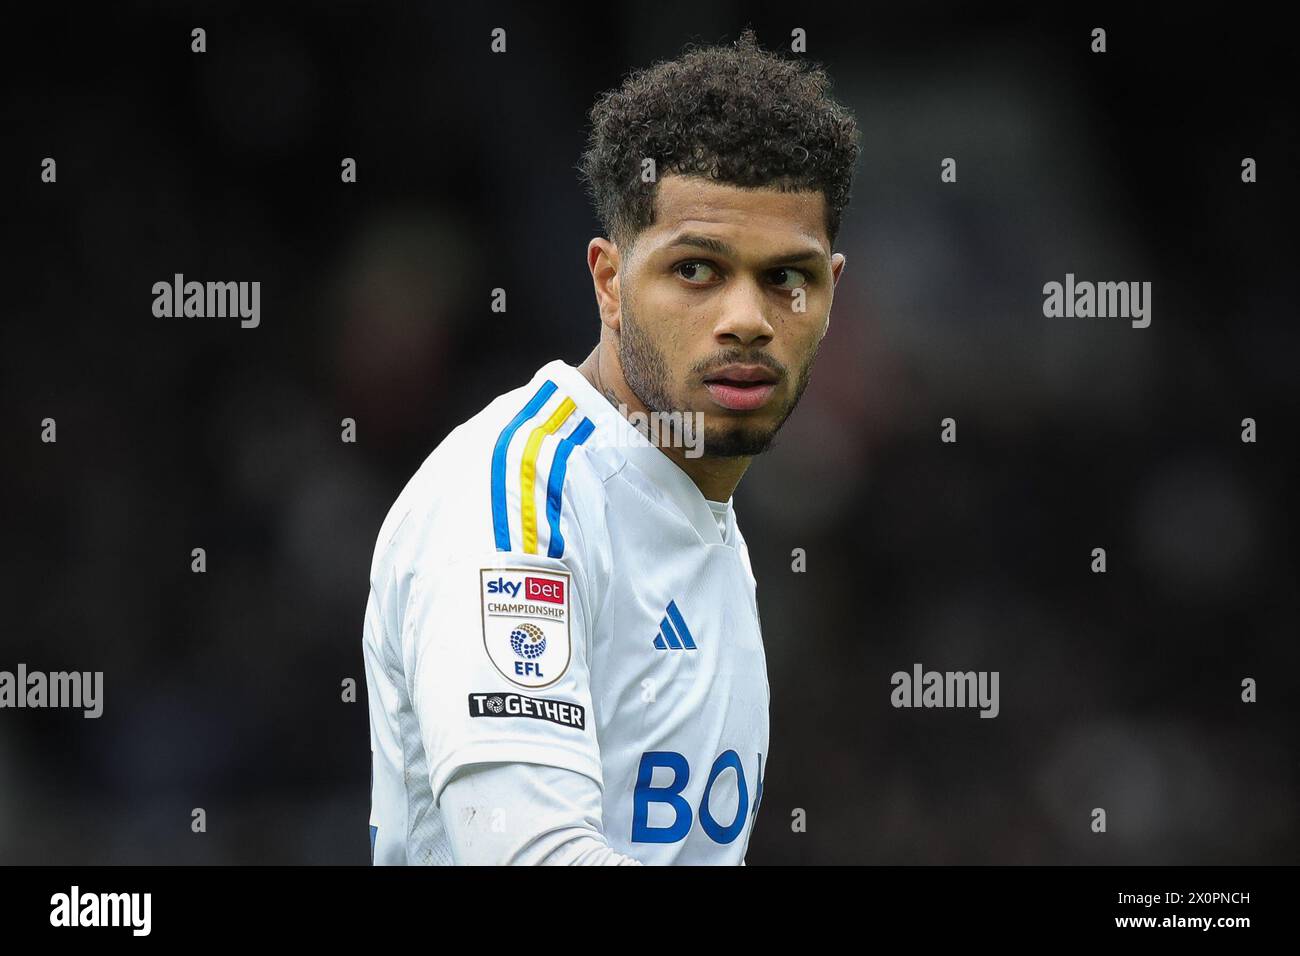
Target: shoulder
pixel 522 476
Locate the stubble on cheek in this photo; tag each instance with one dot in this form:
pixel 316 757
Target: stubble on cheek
pixel 645 368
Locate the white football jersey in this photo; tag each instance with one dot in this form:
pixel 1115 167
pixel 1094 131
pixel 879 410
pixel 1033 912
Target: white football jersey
pixel 550 588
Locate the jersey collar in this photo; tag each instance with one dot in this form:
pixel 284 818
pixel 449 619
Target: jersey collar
pixel 662 471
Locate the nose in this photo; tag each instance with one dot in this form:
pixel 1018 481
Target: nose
pixel 744 318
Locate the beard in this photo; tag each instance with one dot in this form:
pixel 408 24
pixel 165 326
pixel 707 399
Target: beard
pixel 647 374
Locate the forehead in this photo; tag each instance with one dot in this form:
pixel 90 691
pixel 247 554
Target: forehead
pixel 743 216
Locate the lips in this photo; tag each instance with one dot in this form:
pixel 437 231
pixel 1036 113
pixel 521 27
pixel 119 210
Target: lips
pixel 741 388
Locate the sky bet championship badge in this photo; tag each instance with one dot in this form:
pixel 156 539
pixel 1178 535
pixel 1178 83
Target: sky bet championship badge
pixel 526 623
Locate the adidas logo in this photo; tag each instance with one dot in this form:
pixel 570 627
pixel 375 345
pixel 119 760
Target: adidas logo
pixel 673 632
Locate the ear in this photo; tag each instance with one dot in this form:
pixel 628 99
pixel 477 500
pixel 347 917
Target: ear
pixel 605 264
pixel 837 268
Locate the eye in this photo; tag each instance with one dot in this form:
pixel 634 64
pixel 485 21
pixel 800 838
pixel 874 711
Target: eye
pixel 696 271
pixel 788 278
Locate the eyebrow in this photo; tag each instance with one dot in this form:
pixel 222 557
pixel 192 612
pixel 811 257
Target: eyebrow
pixel 717 246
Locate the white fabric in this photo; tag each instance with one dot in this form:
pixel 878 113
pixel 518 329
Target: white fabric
pixel 651 721
pixel 512 814
pixel 721 513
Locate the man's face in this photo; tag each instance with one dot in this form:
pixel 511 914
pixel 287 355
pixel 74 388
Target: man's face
pixel 724 302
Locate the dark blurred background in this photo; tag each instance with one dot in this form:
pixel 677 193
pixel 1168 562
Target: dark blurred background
pixel 222 689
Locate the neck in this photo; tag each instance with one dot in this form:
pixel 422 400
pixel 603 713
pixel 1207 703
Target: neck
pixel 716 478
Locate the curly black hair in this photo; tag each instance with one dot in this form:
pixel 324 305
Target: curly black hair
pixel 736 114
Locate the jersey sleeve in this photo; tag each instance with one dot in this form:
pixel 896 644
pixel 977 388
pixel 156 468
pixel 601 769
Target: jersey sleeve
pixel 520 815
pixel 499 651
pixel 497 638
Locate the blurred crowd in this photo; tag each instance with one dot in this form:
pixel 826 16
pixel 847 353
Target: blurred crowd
pixel 223 689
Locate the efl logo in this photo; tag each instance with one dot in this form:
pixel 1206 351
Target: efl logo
pixel 544 589
pixel 526 623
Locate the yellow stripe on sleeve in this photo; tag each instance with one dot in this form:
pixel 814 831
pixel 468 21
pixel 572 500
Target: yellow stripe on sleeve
pixel 528 471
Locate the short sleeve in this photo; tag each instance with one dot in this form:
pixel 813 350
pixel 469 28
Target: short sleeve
pixel 497 648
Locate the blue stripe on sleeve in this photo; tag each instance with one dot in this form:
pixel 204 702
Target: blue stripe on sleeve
pixel 555 484
pixel 500 521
